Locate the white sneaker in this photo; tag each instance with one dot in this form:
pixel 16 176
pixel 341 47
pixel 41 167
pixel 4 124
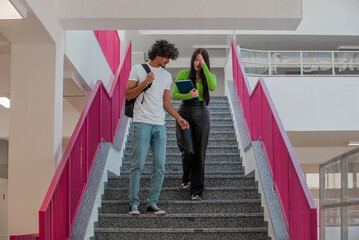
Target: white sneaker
pixel 134 210
pixel 184 185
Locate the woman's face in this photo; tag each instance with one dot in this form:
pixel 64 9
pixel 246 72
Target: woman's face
pixel 198 62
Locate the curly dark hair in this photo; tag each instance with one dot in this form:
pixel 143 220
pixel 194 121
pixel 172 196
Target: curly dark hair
pixel 162 48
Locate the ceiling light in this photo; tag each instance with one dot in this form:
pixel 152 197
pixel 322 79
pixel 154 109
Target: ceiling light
pixel 214 46
pixel 8 11
pixel 353 143
pixel 348 48
pixel 4 101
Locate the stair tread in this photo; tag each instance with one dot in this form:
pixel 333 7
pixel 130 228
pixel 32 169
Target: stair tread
pixel 206 189
pixel 252 229
pixel 174 176
pixel 203 201
pixel 179 163
pixel 182 215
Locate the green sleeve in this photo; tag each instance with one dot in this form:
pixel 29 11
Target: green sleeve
pixel 211 78
pixel 176 95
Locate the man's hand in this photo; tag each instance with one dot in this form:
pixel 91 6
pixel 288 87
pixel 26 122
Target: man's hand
pixel 194 92
pixel 150 77
pixel 183 123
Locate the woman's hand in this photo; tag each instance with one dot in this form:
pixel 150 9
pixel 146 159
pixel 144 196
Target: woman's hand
pixel 194 92
pixel 200 58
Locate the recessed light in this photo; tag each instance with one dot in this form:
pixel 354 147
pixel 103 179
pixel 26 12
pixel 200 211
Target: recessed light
pixel 353 143
pixel 4 101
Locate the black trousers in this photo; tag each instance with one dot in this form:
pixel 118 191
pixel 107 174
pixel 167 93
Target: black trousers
pixel 193 142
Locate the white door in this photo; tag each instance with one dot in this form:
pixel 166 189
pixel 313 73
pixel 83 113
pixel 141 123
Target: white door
pixel 3 209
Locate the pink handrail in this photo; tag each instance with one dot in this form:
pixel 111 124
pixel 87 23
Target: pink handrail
pixel 99 121
pixel 263 123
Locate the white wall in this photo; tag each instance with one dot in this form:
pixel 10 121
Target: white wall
pixel 4 74
pixel 122 34
pixel 3 209
pixel 4 124
pixel 84 52
pixel 318 155
pixel 315 103
pixel 70 119
pixel 4 158
pixel 324 17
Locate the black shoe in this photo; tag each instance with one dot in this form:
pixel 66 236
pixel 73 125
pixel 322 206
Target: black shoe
pixel 184 185
pixel 155 210
pixel 196 197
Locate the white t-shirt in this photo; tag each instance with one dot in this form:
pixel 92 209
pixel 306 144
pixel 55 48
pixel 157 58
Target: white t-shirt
pixel 151 110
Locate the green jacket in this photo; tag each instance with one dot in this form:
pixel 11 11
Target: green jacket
pixel 182 75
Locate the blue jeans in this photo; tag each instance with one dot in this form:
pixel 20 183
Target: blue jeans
pixel 145 134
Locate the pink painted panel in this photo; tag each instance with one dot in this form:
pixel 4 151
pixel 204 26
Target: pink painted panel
pixel 106 129
pixel 60 207
pixel 266 132
pixel 255 111
pixel 263 121
pixel 110 45
pixel 280 169
pixel 25 237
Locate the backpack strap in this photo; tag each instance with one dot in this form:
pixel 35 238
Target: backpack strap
pixel 148 70
pixel 146 67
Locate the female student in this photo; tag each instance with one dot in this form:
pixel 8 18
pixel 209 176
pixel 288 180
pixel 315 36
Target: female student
pixel 192 142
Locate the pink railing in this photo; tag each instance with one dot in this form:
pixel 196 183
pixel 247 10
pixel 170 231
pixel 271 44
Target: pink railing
pixel 110 45
pixel 98 121
pixel 263 123
pixel 25 237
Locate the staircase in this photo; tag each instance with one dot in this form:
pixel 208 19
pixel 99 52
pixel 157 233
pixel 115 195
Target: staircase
pixel 230 208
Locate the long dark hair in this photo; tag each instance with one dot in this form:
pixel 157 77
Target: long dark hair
pixel 192 72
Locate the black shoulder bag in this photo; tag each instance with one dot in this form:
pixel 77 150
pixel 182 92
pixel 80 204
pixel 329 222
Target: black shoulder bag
pixel 131 103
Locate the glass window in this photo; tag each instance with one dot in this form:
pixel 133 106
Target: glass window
pixel 312 180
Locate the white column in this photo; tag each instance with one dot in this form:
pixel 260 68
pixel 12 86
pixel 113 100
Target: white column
pixel 35 130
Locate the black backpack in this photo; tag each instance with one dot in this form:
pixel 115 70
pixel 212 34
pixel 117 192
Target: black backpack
pixel 131 103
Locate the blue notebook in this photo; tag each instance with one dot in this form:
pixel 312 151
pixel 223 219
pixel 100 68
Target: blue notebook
pixel 185 86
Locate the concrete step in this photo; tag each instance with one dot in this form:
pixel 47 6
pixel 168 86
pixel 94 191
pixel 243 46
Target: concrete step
pixel 210 150
pixel 176 157
pixel 224 135
pixel 210 106
pixel 212 116
pixel 188 206
pixel 186 220
pixel 182 233
pixel 213 99
pixel 174 181
pixel 216 129
pixel 213 110
pixel 177 167
pixel 211 143
pixel 214 122
pixel 173 193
